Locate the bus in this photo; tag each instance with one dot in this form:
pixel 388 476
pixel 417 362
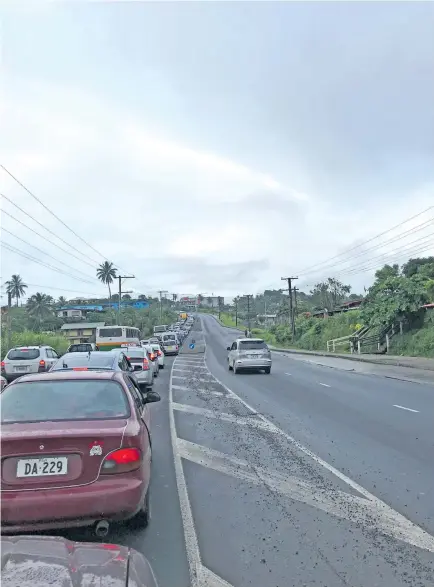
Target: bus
pixel 112 337
pixel 161 328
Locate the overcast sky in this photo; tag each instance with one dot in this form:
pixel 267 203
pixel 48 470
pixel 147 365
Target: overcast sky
pixel 214 147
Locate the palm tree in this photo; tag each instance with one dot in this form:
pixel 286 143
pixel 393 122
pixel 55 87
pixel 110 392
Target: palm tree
pixel 40 306
pixel 16 287
pixel 106 273
pixel 61 301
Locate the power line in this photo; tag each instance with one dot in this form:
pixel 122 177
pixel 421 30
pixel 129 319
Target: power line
pixel 417 228
pixel 55 215
pixel 39 262
pixel 367 241
pixel 64 289
pixel 48 255
pixel 44 227
pixel 48 240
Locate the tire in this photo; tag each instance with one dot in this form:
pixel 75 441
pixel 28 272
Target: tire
pixel 267 370
pixel 234 369
pixel 162 366
pixel 143 516
pixel 229 366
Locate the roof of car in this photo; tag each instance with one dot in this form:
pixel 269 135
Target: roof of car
pixel 250 339
pixel 69 374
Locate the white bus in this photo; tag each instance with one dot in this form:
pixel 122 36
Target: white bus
pixel 161 328
pixel 112 337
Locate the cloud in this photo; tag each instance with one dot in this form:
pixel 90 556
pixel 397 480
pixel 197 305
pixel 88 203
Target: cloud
pixel 215 170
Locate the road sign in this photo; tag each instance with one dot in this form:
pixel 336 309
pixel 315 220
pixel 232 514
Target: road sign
pixel 191 346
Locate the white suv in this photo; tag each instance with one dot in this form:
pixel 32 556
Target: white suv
pixel 30 359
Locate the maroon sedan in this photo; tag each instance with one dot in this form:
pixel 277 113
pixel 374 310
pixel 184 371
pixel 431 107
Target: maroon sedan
pixel 75 451
pixel 47 560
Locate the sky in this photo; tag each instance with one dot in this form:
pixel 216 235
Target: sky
pixel 214 147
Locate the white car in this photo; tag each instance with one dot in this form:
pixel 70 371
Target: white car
pixel 30 359
pixel 160 354
pixel 152 356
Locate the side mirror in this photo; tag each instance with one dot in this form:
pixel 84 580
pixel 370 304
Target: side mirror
pixel 228 348
pixel 151 397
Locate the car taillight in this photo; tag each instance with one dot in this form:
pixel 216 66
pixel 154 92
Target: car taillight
pixel 41 365
pixel 152 356
pixel 122 460
pixel 3 365
pixel 80 369
pixel 145 365
pixel 176 347
pixel 159 353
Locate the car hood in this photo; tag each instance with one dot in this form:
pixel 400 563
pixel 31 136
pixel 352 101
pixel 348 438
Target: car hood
pixel 38 561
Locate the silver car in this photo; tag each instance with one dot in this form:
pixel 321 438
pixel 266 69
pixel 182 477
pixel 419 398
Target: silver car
pixel 143 366
pixel 249 353
pixel 30 359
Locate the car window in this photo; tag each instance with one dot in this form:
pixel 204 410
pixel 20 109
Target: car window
pixel 39 401
pixel 23 354
pixel 93 360
pixel 49 353
pixel 110 332
pixel 135 392
pixel 234 346
pixel 251 345
pixel 55 355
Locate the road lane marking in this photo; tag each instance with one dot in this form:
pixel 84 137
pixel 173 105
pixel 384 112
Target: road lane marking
pixel 370 513
pixel 324 385
pixel 203 391
pixel 200 576
pixel 290 374
pixel 242 420
pixel 406 530
pixel 404 408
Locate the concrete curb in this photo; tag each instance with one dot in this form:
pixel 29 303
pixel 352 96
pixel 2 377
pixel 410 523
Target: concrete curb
pixel 395 362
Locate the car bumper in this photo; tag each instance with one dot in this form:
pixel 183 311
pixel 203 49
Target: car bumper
pixel 161 361
pixel 253 363
pixel 145 377
pixel 108 499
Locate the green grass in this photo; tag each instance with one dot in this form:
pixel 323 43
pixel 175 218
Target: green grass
pixel 416 343
pixel 29 338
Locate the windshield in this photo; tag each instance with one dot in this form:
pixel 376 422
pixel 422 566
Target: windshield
pixel 110 332
pixel 252 345
pixel 42 401
pixel 23 354
pixel 79 348
pixel 92 360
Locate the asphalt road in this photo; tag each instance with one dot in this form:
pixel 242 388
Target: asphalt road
pixel 309 476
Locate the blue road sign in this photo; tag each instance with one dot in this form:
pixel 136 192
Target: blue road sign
pixel 191 346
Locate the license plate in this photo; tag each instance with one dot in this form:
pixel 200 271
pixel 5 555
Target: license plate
pixel 170 348
pixel 42 467
pixel 21 368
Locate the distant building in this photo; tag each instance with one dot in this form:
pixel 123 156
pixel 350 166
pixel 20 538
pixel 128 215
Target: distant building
pixel 212 301
pixel 71 314
pixel 81 331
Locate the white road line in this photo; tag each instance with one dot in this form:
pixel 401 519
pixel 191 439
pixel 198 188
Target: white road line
pixel 204 391
pixel 404 408
pixel 368 513
pixel 242 420
pixel 200 576
pixel 324 385
pixel 290 374
pixel 413 534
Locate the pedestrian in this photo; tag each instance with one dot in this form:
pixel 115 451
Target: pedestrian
pixel 246 333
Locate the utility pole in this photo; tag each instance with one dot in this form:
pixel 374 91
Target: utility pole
pixel 220 304
pixel 295 309
pixel 120 277
pixel 161 292
pixel 236 311
pixel 291 311
pixel 248 296
pixel 8 322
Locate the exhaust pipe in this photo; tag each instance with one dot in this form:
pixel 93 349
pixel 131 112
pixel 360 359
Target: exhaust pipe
pixel 102 529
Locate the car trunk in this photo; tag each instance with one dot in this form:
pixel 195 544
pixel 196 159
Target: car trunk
pixel 56 454
pixel 137 363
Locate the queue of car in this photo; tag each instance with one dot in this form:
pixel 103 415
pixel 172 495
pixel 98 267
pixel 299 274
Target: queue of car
pixel 76 439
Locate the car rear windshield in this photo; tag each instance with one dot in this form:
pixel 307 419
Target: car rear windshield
pixel 252 345
pixel 169 337
pixel 80 348
pixel 135 354
pixel 93 360
pixel 41 401
pixel 23 354
pixel 110 332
